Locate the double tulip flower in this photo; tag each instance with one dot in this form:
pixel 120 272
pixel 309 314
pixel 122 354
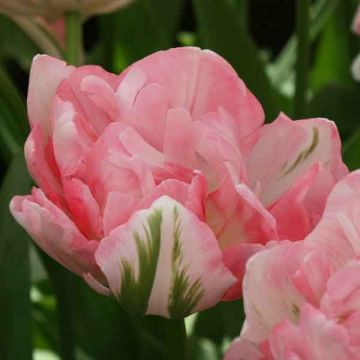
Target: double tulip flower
pixel 157 185
pixel 302 300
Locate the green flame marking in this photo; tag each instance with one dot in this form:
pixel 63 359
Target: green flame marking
pixel 135 293
pixel 184 295
pixel 304 154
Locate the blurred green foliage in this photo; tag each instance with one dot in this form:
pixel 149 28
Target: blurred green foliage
pixel 59 300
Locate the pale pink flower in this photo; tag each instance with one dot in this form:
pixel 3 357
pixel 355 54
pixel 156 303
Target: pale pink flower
pixel 158 184
pixel 54 9
pixel 302 300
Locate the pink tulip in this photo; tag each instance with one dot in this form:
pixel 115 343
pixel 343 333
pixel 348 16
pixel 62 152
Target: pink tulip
pixel 158 184
pixel 302 299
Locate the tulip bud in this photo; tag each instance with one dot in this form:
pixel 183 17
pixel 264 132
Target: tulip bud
pixel 51 9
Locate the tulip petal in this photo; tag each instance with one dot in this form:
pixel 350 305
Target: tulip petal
pixel 241 349
pixel 236 210
pixel 342 296
pixel 45 76
pixel 164 261
pixel 79 89
pixel 179 143
pixel 291 215
pixel 270 295
pixel 201 82
pixel 54 232
pixel 70 143
pixel 84 209
pixel 285 149
pixel 316 337
pixel 42 165
pixel 149 113
pixel 338 232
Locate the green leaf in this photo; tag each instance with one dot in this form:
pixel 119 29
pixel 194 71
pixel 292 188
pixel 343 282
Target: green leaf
pixel 15 44
pixel 15 318
pixel 221 29
pixel 9 144
pixel 228 317
pixel 95 323
pixel 102 327
pixel 334 56
pixel 15 118
pixel 283 66
pixel 340 103
pixel 202 349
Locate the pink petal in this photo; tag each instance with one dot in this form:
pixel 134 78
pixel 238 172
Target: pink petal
pixel 96 285
pixel 70 143
pixel 79 90
pixel 148 114
pixel 189 195
pixel 175 245
pixel 312 276
pixel 316 338
pixel 217 156
pixel 237 216
pixel 179 143
pixel 42 165
pixel 101 94
pixel 84 209
pixel 241 224
pixel 284 150
pixel 201 81
pixel 291 215
pixel 135 144
pixel 45 76
pixel 241 349
pixel 109 167
pixel 342 296
pixel 270 295
pixel 118 209
pixel 235 259
pixel 55 233
pixel 352 325
pixel 338 232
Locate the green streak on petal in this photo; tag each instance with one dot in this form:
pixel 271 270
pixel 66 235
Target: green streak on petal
pixel 296 311
pixel 135 293
pixel 305 153
pixel 184 295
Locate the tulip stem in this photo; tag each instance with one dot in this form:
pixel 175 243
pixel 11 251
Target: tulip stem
pixel 64 283
pixel 73 51
pixel 176 339
pixel 302 65
pixel 162 338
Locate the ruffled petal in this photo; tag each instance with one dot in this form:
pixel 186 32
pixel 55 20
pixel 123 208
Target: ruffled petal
pixel 45 76
pixel 164 261
pixel 284 150
pixel 55 233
